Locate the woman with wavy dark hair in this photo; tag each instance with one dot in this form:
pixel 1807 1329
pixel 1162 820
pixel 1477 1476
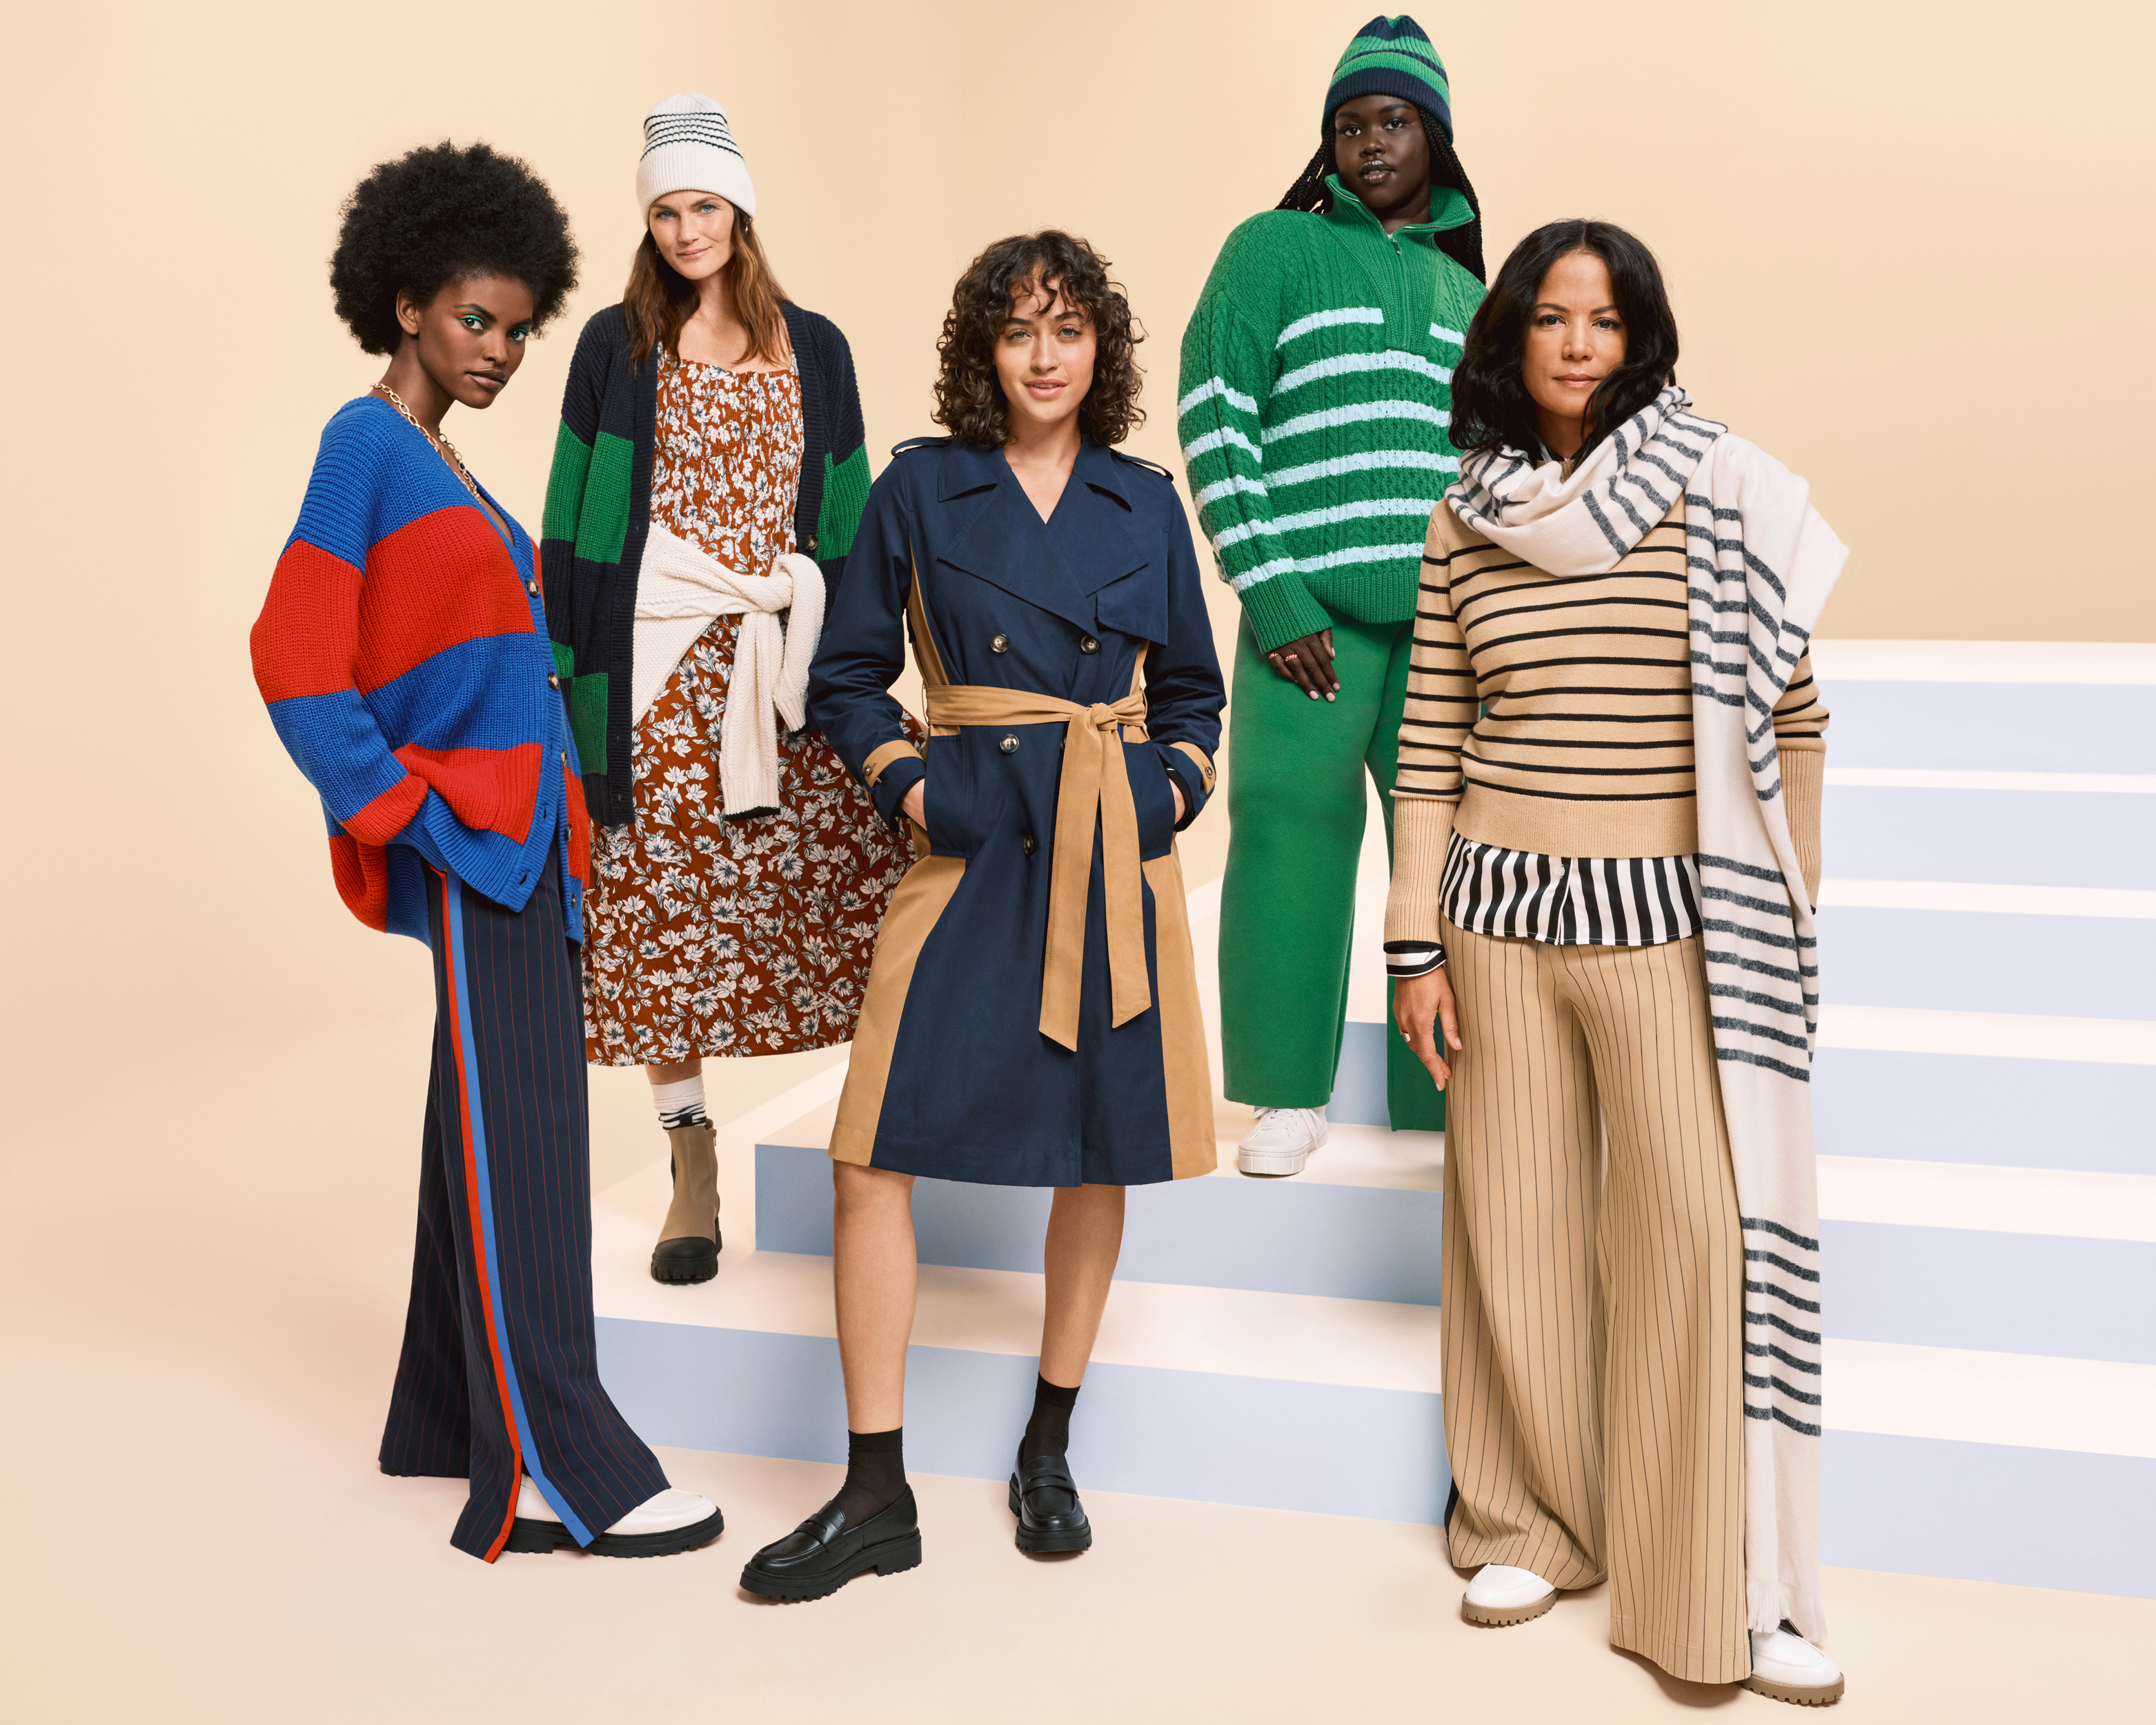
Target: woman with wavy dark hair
pixel 403 652
pixel 708 475
pixel 1606 850
pixel 1032 1016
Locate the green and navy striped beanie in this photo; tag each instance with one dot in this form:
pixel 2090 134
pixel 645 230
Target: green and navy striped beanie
pixel 1391 56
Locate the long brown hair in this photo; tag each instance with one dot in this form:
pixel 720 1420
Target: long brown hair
pixel 659 299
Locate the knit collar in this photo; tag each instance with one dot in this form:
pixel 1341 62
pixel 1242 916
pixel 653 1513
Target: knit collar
pixel 1448 204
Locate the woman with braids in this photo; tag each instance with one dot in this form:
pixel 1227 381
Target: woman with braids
pixel 1313 414
pixel 708 475
pixel 429 718
pixel 1606 852
pixel 1033 1017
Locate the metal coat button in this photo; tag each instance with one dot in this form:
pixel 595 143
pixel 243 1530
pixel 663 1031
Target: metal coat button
pixel 1008 745
pixel 1000 644
pixel 1031 845
pixel 1086 644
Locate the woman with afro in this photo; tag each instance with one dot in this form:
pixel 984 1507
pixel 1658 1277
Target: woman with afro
pixel 403 654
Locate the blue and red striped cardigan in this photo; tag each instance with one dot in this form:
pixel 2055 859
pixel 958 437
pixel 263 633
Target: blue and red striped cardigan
pixel 402 651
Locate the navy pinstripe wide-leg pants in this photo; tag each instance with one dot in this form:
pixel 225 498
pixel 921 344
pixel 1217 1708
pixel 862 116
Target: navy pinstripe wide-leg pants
pixel 500 1371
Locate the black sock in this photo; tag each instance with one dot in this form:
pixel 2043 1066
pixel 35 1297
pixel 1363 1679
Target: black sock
pixel 1048 1433
pixel 876 1473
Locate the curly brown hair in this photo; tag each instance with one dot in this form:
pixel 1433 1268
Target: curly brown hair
pixel 969 396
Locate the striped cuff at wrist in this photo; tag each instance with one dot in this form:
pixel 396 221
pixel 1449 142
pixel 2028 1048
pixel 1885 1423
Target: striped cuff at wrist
pixel 1407 958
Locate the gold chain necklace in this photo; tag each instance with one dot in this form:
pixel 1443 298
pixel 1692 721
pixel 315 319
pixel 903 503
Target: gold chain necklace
pixel 448 449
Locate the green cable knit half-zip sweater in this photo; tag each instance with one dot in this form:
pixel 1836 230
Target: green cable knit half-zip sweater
pixel 1316 396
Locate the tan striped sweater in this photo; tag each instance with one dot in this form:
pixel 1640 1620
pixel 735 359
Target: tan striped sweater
pixel 1586 747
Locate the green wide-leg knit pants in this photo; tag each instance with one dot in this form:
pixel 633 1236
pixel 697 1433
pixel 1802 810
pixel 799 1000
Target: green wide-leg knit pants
pixel 1296 807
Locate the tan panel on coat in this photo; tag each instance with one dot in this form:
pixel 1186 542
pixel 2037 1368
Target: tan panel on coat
pixel 1192 1149
pixel 915 908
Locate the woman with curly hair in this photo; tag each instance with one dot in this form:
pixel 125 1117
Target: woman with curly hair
pixel 1033 1018
pixel 708 476
pixel 431 720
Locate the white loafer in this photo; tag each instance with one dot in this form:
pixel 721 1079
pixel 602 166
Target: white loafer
pixel 1499 1596
pixel 666 1522
pixel 1280 1140
pixel 1787 1667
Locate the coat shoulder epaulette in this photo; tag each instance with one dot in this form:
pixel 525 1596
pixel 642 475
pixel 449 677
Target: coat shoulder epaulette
pixel 1141 461
pixel 919 443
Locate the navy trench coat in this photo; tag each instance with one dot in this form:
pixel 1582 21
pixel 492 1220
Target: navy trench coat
pixel 952 1073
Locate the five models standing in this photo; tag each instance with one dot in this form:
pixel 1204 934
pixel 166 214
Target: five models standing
pixel 1487 558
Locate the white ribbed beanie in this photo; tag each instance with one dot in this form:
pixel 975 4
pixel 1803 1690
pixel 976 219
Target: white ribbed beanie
pixel 687 147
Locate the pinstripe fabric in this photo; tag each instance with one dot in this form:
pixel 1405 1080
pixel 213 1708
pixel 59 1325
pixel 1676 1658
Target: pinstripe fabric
pixel 500 1370
pixel 1592 1302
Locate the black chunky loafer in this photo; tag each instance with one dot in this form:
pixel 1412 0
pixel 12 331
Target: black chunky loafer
pixel 1044 1499
pixel 822 1555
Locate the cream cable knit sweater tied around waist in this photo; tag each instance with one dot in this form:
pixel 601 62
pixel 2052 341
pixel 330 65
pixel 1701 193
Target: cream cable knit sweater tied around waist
pixel 1586 749
pixel 680 589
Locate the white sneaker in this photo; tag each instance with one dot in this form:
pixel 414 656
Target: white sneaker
pixel 1787 1667
pixel 1280 1141
pixel 665 1523
pixel 1499 1596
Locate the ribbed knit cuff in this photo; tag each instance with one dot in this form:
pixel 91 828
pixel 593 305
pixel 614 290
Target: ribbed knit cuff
pixel 1281 610
pixel 1804 777
pixel 1422 830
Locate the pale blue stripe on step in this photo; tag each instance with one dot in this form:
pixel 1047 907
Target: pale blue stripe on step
pixel 1208 1437
pixel 1921 1505
pixel 2051 1114
pixel 1265 1236
pixel 2013 838
pixel 1999 1293
pixel 1994 728
pixel 1954 961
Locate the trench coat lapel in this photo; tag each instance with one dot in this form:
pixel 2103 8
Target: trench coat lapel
pixel 1057 566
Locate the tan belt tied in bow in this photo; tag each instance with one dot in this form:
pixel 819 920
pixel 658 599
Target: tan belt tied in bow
pixel 1096 780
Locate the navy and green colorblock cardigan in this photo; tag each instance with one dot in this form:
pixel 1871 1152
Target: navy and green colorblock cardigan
pixel 598 508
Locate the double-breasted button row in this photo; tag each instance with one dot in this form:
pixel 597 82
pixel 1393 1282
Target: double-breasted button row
pixel 1000 644
pixel 1008 745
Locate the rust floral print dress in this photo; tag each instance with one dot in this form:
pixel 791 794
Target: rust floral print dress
pixel 705 936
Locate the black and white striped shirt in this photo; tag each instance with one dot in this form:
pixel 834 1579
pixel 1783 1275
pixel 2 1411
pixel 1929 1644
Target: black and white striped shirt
pixel 1560 900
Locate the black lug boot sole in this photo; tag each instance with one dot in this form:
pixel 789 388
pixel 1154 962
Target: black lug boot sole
pixel 528 1535
pixel 1037 1542
pixel 686 1259
pixel 893 1556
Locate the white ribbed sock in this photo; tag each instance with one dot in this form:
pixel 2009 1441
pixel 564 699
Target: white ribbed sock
pixel 679 1104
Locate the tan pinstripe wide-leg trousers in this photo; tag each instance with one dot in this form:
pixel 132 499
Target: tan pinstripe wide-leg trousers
pixel 1592 1312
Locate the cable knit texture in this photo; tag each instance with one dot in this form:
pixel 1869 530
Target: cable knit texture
pixel 1317 393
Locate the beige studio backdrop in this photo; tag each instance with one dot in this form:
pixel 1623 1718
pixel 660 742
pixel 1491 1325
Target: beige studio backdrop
pixel 1898 236
pixel 1909 255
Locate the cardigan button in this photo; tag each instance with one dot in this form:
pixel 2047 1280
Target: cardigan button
pixel 811 545
pixel 1030 844
pixel 531 588
pixel 1008 745
pixel 565 758
pixel 1000 644
pixel 1086 644
pixel 553 679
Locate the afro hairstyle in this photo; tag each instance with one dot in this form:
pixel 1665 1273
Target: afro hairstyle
pixel 440 214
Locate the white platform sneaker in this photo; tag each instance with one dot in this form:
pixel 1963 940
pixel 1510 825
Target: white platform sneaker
pixel 1280 1141
pixel 1787 1667
pixel 669 1522
pixel 1499 1596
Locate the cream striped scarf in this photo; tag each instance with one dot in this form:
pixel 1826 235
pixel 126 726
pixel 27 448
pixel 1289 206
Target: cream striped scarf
pixel 1762 564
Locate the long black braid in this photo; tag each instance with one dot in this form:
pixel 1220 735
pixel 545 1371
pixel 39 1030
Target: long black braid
pixel 1462 244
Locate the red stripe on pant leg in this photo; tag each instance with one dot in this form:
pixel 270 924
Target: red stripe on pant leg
pixel 465 1103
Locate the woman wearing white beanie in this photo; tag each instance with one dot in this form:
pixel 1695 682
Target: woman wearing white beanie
pixel 708 475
